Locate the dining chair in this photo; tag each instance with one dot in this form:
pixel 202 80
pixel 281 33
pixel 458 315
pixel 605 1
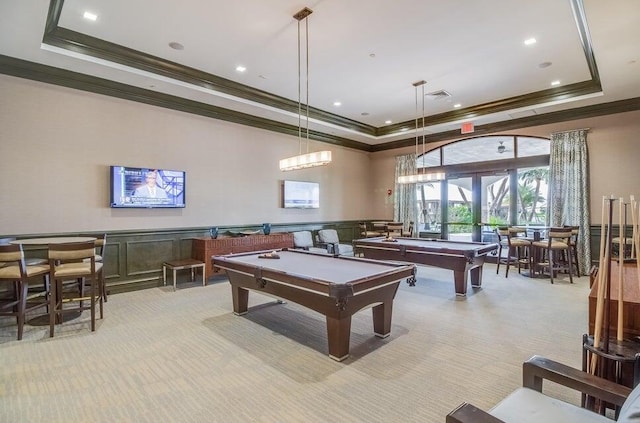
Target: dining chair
pixel 74 261
pixel 394 229
pixel 100 243
pixel 551 250
pixel 517 246
pixel 365 232
pixel 28 260
pixel 409 231
pixel 18 301
pixel 573 244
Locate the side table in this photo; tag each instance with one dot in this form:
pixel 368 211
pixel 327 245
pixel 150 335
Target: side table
pixel 176 265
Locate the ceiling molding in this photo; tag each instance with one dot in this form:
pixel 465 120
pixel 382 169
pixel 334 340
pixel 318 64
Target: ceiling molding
pixel 94 47
pixel 51 75
pixel 76 42
pixel 82 43
pixel 602 109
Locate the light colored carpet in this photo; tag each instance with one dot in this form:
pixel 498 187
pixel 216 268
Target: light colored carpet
pixel 164 356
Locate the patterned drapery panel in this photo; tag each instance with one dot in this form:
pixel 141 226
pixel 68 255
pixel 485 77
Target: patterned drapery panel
pixel 405 194
pixel 569 189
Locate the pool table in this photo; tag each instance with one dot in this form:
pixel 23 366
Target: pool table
pixel 463 258
pixel 334 286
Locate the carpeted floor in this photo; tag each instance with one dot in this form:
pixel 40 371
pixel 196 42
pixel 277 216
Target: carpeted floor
pixel 164 356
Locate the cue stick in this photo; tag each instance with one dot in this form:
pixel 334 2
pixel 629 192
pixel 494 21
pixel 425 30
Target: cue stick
pixel 633 222
pixel 623 228
pixel 635 215
pixel 607 304
pixel 597 327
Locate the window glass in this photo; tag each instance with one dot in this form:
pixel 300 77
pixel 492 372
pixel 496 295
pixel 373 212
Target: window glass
pixel 478 150
pixel 532 195
pixel 528 146
pixel 430 159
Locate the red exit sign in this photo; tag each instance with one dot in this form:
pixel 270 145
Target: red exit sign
pixel 466 128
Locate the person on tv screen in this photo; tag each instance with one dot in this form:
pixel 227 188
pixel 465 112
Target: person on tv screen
pixel 150 189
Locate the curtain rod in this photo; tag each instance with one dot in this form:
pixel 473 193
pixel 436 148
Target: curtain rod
pixel 572 130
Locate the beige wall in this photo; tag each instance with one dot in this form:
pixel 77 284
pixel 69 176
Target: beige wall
pixel 57 144
pixel 614 160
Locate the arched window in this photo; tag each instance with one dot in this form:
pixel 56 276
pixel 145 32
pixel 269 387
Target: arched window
pixel 484 175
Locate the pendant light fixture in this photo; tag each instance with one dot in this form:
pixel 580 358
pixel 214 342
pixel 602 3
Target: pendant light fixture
pixel 318 158
pixel 421 175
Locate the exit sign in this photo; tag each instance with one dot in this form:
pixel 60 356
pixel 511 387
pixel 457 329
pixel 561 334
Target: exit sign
pixel 467 128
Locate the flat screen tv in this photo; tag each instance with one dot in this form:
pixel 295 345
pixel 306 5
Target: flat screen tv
pixel 301 195
pixel 141 187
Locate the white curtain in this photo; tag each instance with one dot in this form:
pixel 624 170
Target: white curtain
pixel 405 194
pixel 569 188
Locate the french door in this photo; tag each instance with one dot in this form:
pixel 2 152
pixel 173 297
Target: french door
pixel 475 204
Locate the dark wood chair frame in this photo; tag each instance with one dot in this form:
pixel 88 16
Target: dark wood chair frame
pixel 534 372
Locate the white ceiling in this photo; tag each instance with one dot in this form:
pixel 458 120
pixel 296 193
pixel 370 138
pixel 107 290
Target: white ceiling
pixel 364 53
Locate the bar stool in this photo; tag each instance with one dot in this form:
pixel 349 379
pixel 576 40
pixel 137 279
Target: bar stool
pixel 573 244
pixel 557 243
pixel 17 273
pixel 517 248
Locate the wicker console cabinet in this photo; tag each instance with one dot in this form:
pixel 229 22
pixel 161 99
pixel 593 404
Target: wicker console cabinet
pixel 204 248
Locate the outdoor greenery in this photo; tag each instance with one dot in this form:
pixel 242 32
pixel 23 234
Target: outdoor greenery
pixel 532 207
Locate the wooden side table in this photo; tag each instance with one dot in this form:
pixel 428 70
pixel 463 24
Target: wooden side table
pixel 176 265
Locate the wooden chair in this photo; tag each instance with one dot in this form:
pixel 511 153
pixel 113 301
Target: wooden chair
pixel 100 243
pixel 394 229
pixel 518 248
pixel 552 249
pixel 14 270
pixel 28 261
pixel 74 262
pixel 409 231
pixel 366 233
pixel 573 244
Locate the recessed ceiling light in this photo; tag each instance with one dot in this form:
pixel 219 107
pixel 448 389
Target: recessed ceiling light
pixel 337 103
pixel 90 16
pixel 457 105
pixel 554 83
pixel 530 41
pixel 365 113
pixel 372 55
pixel 387 122
pixel 176 46
pixel 544 65
pixel 404 129
pixel 241 68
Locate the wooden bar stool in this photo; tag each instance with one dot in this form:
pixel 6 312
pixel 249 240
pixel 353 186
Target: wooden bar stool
pixel 517 248
pixel 557 243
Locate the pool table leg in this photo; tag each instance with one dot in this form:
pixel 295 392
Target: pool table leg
pixel 382 319
pixel 240 300
pixel 460 279
pixel 476 277
pixel 338 333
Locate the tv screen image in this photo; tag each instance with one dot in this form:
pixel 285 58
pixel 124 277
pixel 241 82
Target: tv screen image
pixel 301 195
pixel 140 187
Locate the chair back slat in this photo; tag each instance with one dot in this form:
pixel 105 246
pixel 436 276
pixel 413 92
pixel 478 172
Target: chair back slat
pixel 72 251
pixel 11 253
